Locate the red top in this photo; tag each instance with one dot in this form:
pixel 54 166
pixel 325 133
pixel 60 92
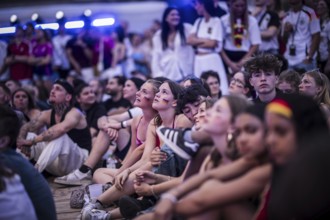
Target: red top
pixel 19 71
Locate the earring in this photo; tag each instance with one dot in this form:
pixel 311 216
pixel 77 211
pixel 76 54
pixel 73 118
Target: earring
pixel 229 136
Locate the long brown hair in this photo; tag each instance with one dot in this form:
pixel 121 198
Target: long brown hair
pixel 31 103
pixel 245 19
pixel 237 105
pixel 176 90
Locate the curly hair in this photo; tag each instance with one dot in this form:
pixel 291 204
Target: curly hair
pixel 190 94
pixel 265 62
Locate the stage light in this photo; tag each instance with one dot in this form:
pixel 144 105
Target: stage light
pixel 87 12
pixel 74 24
pixel 103 22
pixel 7 30
pixel 53 26
pixel 13 18
pixel 34 16
pixel 59 15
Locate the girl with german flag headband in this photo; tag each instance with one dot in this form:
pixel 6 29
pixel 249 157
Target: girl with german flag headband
pixel 296 125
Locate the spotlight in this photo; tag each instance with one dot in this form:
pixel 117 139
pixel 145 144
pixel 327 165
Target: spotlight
pixel 7 30
pixel 103 22
pixel 59 15
pixel 74 24
pixel 34 16
pixel 87 12
pixel 13 18
pixel 53 26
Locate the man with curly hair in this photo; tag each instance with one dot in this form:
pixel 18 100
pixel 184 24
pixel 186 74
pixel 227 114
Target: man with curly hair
pixel 263 72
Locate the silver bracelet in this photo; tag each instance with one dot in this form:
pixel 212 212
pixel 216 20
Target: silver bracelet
pixel 152 191
pixel 170 197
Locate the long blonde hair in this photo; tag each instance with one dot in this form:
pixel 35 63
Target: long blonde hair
pixel 322 81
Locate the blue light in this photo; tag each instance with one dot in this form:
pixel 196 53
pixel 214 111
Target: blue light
pixel 74 24
pixel 7 30
pixel 53 26
pixel 103 22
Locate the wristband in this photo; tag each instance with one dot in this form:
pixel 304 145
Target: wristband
pixel 123 124
pixel 170 197
pixel 152 191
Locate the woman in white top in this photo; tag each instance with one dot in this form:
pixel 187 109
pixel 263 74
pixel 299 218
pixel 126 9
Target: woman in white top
pixel 206 36
pixel 172 57
pixel 241 35
pixel 323 10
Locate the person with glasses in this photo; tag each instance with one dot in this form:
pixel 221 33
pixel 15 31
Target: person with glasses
pixel 288 81
pixel 263 72
pixel 239 85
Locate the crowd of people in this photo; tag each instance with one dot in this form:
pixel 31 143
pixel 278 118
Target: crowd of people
pixel 227 118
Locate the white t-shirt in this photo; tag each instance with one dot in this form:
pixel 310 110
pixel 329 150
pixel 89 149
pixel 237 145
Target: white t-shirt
pixel 251 36
pixel 324 43
pixel 305 23
pixel 175 63
pixel 265 20
pixel 135 111
pixel 209 30
pixel 59 54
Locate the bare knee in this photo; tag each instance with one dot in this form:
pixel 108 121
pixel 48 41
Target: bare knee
pixel 102 176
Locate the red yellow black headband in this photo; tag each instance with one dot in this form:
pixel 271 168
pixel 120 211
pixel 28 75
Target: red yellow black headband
pixel 281 107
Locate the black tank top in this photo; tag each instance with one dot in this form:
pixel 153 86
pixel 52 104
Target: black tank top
pixel 82 137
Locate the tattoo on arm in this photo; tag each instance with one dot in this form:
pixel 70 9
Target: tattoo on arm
pixel 31 126
pixel 47 135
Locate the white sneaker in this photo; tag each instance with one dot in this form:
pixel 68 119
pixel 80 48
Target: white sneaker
pixel 96 214
pixel 74 179
pixel 93 210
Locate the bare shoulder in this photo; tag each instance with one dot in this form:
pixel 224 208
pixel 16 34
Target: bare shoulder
pixel 34 113
pixel 261 173
pixel 182 122
pixel 44 116
pixel 136 120
pixel 75 117
pixel 74 112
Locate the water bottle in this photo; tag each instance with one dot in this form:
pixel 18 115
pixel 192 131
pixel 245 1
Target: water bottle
pixel 111 162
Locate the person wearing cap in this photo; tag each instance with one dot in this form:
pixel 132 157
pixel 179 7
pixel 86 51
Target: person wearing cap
pixel 63 146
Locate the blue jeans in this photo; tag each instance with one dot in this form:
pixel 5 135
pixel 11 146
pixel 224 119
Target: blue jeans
pixel 173 165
